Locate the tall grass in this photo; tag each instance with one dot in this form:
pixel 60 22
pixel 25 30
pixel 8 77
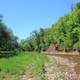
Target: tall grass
pixel 21 64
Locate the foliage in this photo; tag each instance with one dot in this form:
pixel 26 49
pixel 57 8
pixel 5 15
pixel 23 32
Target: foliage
pixel 35 42
pixel 8 42
pixel 7 39
pixel 65 34
pixel 77 6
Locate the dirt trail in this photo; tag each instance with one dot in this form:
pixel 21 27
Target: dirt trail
pixel 61 68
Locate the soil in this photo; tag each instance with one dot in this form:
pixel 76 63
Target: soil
pixel 62 68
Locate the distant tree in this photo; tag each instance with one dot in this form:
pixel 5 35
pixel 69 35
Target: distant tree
pixel 36 36
pixel 77 6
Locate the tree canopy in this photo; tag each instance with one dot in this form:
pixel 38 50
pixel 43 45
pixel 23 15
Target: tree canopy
pixel 8 41
pixel 65 33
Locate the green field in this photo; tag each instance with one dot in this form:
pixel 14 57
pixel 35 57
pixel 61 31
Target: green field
pixel 26 63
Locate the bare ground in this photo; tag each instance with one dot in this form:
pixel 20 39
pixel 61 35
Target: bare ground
pixel 61 68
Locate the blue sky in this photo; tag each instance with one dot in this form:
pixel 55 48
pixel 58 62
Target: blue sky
pixel 24 16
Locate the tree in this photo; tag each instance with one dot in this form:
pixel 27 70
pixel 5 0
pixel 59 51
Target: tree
pixel 77 6
pixel 64 34
pixel 7 40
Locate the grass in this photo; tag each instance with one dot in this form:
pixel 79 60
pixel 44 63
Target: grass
pixel 57 78
pixel 13 68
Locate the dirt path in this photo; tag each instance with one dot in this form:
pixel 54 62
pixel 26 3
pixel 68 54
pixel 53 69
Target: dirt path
pixel 60 68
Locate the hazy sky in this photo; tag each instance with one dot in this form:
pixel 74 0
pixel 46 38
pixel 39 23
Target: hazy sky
pixel 24 16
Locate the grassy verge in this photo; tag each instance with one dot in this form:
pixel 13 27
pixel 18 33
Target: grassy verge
pixel 13 68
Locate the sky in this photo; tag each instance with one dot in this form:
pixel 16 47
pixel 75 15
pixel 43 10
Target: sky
pixel 25 16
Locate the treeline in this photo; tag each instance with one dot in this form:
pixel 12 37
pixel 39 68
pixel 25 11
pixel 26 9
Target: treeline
pixel 65 34
pixel 38 40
